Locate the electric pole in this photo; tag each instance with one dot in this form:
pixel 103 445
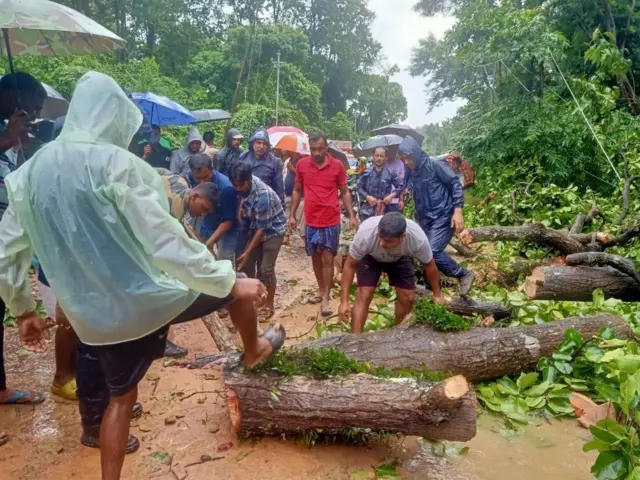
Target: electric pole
pixel 277 65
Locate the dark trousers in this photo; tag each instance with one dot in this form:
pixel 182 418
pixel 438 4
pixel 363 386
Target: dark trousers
pixel 440 233
pixel 127 364
pixel 3 375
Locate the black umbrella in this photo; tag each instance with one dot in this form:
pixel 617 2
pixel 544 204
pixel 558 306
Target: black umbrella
pixel 211 115
pixel 336 152
pixel 368 147
pixel 400 130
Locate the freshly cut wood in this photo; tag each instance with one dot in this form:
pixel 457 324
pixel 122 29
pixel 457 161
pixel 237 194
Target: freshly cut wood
pixel 469 307
pixel 578 284
pixel 225 341
pixel 479 354
pixel 534 232
pixel 272 405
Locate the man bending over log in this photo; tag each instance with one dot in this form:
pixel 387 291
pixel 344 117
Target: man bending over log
pixel 387 244
pixel 122 268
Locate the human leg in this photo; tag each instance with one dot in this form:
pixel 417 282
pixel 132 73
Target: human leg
pixel 114 434
pixel 322 245
pixel 440 235
pixel 327 282
pixel 402 276
pixel 65 350
pixel 270 251
pixel 368 275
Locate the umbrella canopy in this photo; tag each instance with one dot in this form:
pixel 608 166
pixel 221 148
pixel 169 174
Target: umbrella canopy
pixel 55 105
pixel 336 152
pixel 369 146
pixel 282 131
pixel 40 27
pixel 161 110
pixel 211 115
pixel 400 130
pixel 292 142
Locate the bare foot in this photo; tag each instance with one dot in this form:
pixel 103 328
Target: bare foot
pixel 286 240
pixel 4 438
pixel 268 343
pixel 325 308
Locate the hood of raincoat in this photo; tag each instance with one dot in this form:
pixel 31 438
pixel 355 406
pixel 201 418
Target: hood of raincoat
pixel 180 158
pixel 410 147
pixel 100 112
pixel 233 132
pixel 97 217
pixel 260 134
pixel 192 136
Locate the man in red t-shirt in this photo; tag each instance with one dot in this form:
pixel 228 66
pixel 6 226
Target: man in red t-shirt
pixel 321 176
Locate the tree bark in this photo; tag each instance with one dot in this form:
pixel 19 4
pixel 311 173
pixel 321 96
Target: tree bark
pixel 598 259
pixel 577 284
pixel 536 233
pixel 220 333
pixel 268 405
pixel 479 354
pixel 469 307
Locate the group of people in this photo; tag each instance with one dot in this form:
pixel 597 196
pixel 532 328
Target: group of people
pixel 133 238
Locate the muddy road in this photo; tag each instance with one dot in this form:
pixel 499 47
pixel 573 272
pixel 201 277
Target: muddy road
pixel 186 421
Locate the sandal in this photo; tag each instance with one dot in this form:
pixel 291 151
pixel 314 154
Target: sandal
pixel 265 314
pixel 4 438
pixel 133 443
pixel 137 411
pixel 275 338
pixel 67 391
pixel 24 397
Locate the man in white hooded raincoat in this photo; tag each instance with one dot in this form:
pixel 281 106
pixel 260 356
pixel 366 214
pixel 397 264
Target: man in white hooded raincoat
pixel 121 266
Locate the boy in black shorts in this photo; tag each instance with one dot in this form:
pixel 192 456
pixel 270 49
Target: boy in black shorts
pixel 386 244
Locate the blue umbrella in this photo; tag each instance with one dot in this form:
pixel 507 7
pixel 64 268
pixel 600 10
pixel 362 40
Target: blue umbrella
pixel 162 110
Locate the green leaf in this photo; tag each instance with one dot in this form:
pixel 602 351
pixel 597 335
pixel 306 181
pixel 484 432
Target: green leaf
pixel 563 367
pixel 539 390
pixel 635 475
pixel 606 333
pixel 604 435
pixel 508 386
pixel 526 380
pixel 386 471
pixel 535 403
pixel 562 356
pixel 608 392
pixel 574 336
pixel 627 363
pixel 596 444
pixel 610 466
pixel 598 299
pixel 593 354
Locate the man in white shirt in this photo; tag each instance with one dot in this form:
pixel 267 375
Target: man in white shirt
pixel 387 244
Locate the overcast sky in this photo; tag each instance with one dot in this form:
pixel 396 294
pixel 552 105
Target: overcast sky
pixel 399 28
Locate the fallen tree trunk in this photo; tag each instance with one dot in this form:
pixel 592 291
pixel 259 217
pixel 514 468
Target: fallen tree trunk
pixel 479 354
pixel 225 341
pixel 599 259
pixel 578 284
pixel 273 405
pixel 469 307
pixel 536 233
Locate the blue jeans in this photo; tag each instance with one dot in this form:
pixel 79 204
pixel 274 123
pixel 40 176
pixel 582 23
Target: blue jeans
pixel 227 246
pixel 440 233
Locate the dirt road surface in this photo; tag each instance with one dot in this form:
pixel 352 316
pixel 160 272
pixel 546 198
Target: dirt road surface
pixel 186 418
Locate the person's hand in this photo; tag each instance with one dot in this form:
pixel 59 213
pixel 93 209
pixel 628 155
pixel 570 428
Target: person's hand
pixel 34 332
pixel 241 261
pixel 249 289
pixel 147 151
pixel 401 204
pixel 388 199
pixel 353 222
pixel 439 300
pixel 292 223
pixel 18 127
pixel 457 222
pixel 344 311
pixel 372 201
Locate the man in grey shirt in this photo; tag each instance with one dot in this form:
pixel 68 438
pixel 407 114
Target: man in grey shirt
pixel 387 244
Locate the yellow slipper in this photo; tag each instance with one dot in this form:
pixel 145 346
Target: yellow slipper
pixel 67 391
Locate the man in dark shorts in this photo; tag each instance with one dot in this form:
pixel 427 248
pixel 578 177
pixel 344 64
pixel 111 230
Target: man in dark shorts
pixel 387 244
pixel 122 268
pixel 320 177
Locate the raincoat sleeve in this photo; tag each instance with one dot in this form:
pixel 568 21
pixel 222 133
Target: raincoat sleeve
pixel 16 255
pixel 362 187
pixel 451 181
pixel 278 181
pixel 175 165
pixel 162 237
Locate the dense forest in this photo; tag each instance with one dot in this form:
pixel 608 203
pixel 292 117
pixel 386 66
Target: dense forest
pixel 221 53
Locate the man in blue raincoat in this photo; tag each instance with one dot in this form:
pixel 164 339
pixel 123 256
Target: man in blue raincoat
pixel 438 196
pixel 264 164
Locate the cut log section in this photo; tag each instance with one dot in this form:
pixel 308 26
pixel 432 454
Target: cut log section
pixel 578 284
pixel 479 354
pixel 273 405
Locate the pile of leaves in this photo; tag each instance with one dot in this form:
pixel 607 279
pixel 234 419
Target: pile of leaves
pixel 606 369
pixel 426 312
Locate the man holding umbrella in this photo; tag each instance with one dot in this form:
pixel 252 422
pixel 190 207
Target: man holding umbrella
pixel 437 192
